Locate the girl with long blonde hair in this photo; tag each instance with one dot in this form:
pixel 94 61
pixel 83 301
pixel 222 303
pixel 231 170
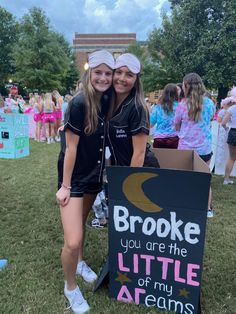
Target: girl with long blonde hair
pixel 81 177
pixel 48 117
pixel 193 121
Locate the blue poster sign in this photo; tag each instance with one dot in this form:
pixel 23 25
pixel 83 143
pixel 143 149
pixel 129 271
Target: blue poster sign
pixel 14 135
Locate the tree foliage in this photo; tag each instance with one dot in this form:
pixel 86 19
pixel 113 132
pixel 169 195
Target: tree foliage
pixel 8 36
pixel 150 68
pixel 42 57
pixel 199 36
pixel 71 77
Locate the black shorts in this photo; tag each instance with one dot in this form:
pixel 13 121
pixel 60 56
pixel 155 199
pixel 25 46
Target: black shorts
pixel 231 140
pixel 207 157
pixel 78 188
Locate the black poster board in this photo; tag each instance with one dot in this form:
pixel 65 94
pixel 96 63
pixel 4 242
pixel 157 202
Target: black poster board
pixel 157 221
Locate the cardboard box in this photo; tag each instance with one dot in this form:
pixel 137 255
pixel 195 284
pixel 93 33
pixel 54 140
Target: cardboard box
pixel 14 135
pixel 180 159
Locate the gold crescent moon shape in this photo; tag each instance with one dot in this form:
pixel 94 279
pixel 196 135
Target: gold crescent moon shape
pixel 132 189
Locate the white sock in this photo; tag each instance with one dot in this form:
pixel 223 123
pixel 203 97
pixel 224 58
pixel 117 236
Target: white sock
pixel 67 290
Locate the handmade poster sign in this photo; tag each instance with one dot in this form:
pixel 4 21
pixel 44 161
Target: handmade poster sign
pixel 14 135
pixel 157 221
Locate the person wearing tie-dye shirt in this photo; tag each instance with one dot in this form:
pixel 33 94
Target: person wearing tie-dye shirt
pixel 193 121
pixel 162 119
pixel 193 118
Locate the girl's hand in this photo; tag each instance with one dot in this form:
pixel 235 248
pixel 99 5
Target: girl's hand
pixel 226 128
pixel 63 196
pixel 61 128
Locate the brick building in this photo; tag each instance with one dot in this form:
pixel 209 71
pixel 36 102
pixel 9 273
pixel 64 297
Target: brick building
pixel 86 43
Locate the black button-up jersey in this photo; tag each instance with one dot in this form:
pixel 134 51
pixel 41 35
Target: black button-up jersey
pixel 90 158
pixel 128 120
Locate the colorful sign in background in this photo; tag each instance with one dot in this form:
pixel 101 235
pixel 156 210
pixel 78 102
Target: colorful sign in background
pixel 157 220
pixel 14 135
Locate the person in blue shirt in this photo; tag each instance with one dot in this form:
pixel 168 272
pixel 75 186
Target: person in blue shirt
pixel 162 117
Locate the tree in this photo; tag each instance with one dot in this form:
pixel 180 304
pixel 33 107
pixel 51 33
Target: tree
pixel 42 57
pixel 199 36
pixel 8 36
pixel 150 80
pixel 71 77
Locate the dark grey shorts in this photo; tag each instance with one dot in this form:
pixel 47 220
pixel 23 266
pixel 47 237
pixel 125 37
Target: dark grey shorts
pixel 231 140
pixel 207 157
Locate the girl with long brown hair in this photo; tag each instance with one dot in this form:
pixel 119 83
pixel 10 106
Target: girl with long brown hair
pixel 162 117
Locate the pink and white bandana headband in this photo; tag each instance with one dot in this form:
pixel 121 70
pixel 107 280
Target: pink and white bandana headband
pixel 130 61
pixel 99 57
pixel 228 100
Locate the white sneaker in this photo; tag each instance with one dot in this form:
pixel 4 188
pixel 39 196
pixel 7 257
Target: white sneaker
pixel 86 272
pixel 210 213
pixel 57 139
pixel 52 140
pixel 76 300
pixel 226 182
pixel 48 140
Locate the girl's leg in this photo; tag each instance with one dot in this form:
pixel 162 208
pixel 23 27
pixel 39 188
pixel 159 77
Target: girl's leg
pixel 87 205
pixel 210 193
pixel 36 131
pixel 47 130
pixel 40 129
pixel 230 162
pixel 72 221
pixel 82 268
pixel 56 127
pixel 52 133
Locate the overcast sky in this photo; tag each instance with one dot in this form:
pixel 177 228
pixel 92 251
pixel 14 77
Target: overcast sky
pixel 95 16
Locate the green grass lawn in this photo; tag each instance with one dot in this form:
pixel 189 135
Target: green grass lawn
pixel 31 239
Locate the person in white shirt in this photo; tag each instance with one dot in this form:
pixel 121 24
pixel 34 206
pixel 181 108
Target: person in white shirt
pixel 229 120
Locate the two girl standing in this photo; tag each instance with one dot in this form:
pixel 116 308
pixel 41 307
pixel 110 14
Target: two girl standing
pixel 85 129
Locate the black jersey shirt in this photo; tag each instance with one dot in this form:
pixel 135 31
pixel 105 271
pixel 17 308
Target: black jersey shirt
pixel 90 157
pixel 128 120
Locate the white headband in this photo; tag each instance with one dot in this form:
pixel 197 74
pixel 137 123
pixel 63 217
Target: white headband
pixel 101 56
pixel 130 61
pixel 233 92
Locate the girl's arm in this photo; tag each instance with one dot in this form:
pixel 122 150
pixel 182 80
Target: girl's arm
pixel 178 118
pixel 153 117
pixel 72 141
pixel 139 149
pixel 177 126
pixel 219 119
pixel 39 106
pixel 226 119
pixel 53 106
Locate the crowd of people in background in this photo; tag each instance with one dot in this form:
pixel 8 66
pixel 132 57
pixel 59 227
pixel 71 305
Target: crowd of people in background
pixel 182 116
pixel 48 112
pixel 109 111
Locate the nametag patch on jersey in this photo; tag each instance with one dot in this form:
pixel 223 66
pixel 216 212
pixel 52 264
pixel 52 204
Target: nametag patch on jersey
pixel 120 133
